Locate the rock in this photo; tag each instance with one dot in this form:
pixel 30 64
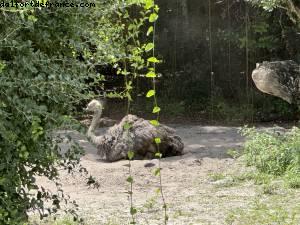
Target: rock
pixel 279 78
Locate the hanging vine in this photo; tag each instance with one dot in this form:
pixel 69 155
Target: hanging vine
pixel 212 79
pixel 132 65
pixel 229 40
pixel 247 50
pixel 152 61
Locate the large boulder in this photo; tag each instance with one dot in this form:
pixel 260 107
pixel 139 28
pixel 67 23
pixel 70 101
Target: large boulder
pixel 279 78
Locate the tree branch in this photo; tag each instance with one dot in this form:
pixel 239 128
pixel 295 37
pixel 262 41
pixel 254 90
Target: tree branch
pixel 295 10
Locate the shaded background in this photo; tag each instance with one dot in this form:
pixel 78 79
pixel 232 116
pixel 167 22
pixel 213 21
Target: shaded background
pixel 209 49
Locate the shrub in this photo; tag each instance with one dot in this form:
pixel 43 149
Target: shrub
pixel 272 153
pixel 47 55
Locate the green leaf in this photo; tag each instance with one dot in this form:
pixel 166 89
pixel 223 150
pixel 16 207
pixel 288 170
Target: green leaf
pixel 157 172
pixel 2 66
pixel 166 217
pixel 158 155
pixel 149 4
pixel 127 125
pixel 150 93
pixel 156 109
pixel 3 180
pixel 156 8
pixel 129 180
pixel 32 18
pixel 151 74
pixel 157 140
pixel 149 47
pixel 130 155
pixel 129 85
pixel 150 30
pixel 131 26
pixel 133 211
pixel 153 60
pixel 153 17
pixel 154 123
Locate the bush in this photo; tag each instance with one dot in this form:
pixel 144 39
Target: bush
pixel 49 58
pixel 272 153
pixel 46 58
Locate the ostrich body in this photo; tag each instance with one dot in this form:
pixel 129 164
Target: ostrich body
pixel 132 134
pixel 279 78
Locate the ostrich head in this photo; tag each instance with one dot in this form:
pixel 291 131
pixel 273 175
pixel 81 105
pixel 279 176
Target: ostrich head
pixel 94 106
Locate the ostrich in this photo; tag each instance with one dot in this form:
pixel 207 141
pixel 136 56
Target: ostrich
pixel 279 78
pixel 132 134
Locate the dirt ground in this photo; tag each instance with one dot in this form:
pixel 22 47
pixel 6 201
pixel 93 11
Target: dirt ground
pixel 193 197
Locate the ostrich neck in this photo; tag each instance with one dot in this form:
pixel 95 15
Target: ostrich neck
pixel 93 126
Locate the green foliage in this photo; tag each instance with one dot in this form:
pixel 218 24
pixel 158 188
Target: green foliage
pixel 59 221
pixel 261 37
pixel 291 7
pixel 260 213
pixel 46 57
pixel 272 153
pixel 292 179
pixel 268 5
pixel 216 176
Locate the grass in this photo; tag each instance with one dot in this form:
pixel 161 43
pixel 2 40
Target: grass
pixel 272 153
pixel 150 204
pixel 180 213
pixel 272 211
pixel 66 220
pixel 274 162
pixel 216 176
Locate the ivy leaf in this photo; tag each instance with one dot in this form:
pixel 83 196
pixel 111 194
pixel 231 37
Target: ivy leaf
pixel 156 8
pixel 150 93
pixel 151 74
pixel 153 17
pixel 150 30
pixel 157 172
pixel 153 60
pixel 158 155
pixel 149 4
pixel 154 123
pixel 157 190
pixel 157 140
pixel 156 109
pixel 133 211
pixel 129 180
pixel 149 47
pixel 130 155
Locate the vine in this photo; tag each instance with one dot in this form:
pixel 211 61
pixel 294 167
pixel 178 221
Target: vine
pixel 212 74
pixel 151 64
pixel 133 62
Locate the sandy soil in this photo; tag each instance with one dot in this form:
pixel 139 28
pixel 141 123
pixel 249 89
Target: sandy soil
pixel 192 196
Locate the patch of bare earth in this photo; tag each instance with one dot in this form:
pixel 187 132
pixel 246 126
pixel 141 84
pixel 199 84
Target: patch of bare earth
pixel 192 196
